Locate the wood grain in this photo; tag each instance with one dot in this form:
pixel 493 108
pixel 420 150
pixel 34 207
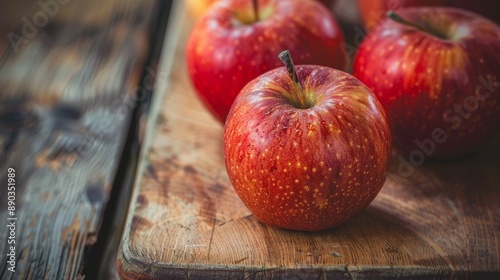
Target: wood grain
pixel 68 77
pixel 186 222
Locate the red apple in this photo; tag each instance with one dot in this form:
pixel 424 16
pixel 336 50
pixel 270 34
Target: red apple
pixel 373 11
pixel 309 152
pixel 198 7
pixel 436 71
pixel 229 46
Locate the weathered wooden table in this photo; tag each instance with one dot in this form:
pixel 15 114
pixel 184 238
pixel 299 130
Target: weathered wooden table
pixel 70 127
pixel 185 221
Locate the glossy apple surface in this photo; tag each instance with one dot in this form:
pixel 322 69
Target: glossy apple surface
pixel 440 89
pixel 228 48
pixel 306 167
pixel 373 11
pixel 198 7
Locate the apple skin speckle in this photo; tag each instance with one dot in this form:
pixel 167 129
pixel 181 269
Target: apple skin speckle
pixel 223 54
pixel 429 84
pixel 306 169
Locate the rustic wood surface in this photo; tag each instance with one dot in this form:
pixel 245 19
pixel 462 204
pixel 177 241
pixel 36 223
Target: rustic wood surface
pixel 69 71
pixel 442 221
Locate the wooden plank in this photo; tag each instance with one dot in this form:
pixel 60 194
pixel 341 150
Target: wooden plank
pixel 442 221
pixel 69 71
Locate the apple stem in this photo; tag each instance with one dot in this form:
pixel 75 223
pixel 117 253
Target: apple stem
pixel 397 18
pixel 292 72
pixel 256 10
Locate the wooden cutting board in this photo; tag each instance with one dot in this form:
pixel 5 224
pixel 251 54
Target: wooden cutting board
pixel 186 221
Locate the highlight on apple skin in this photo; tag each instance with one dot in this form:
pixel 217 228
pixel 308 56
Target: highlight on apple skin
pixel 438 78
pixel 233 43
pixel 307 155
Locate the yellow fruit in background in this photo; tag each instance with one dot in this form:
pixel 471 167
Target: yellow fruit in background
pixel 197 7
